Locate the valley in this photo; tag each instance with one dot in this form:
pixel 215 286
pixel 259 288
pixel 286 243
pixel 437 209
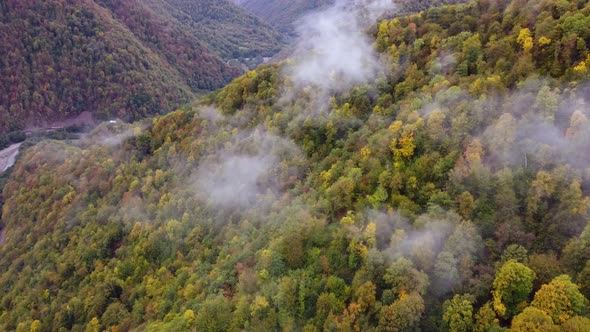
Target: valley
pixel 127 59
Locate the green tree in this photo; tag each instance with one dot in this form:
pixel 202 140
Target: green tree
pixel 327 303
pixel 403 277
pixel 214 316
pixel 436 125
pixel 546 267
pixel 485 319
pixel 458 313
pixel 515 252
pixel 445 269
pixel 365 296
pixel 466 204
pixel 511 288
pixel 547 102
pixel 341 193
pixel 584 279
pixel 403 315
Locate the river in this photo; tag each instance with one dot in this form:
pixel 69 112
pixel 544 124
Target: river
pixel 8 157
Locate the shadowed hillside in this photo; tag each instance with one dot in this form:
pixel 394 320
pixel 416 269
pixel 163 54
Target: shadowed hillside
pixel 125 59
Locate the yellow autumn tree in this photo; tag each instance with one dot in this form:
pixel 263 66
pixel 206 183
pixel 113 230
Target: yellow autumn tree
pixel 404 146
pixel 532 320
pixel 525 39
pixel 544 41
pixel 560 299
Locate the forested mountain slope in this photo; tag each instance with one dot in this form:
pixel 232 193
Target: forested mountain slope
pixel 451 194
pixel 284 14
pixel 224 27
pixel 123 59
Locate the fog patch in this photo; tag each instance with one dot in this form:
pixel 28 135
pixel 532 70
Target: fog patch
pixel 210 113
pixel 439 243
pixel 250 170
pixel 112 133
pixel 541 127
pixel 333 52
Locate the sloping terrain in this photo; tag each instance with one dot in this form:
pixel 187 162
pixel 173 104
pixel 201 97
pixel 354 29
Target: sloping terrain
pixel 125 59
pixel 449 192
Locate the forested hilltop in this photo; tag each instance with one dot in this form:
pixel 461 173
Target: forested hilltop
pixel 450 193
pixel 126 59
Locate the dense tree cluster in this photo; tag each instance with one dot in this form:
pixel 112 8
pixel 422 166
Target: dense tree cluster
pixel 450 194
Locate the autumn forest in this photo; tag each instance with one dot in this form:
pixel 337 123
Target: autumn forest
pixel 429 171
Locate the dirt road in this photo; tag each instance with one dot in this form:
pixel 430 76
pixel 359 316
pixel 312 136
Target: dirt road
pixel 8 157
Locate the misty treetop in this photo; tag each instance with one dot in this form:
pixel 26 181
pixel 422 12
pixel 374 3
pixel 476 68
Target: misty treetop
pixel 448 191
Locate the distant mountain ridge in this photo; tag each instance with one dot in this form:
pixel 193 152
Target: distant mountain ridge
pixel 225 28
pixel 125 59
pixel 283 14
